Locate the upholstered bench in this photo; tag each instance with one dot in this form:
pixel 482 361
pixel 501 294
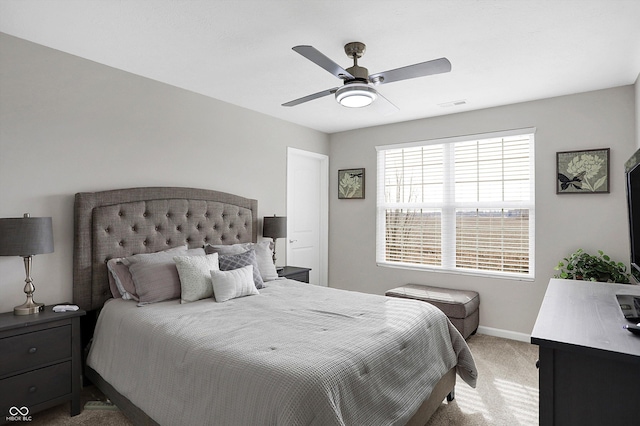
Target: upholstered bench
pixel 462 307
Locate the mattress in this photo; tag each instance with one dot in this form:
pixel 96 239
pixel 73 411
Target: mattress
pixel 296 354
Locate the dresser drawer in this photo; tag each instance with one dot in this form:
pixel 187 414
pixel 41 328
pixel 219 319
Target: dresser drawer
pixel 30 350
pixel 35 387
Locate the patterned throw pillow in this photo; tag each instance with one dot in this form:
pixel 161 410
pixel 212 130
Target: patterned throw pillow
pixel 264 256
pixel 229 262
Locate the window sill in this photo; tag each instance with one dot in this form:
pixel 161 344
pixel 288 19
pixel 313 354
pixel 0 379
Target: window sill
pixel 474 273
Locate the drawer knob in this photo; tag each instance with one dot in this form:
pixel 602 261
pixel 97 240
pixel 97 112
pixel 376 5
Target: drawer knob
pixel 33 389
pixel 33 350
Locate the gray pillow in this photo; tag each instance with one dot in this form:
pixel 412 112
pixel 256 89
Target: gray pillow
pixel 120 280
pixel 195 276
pixel 229 262
pixel 264 256
pixel 238 282
pixel 155 275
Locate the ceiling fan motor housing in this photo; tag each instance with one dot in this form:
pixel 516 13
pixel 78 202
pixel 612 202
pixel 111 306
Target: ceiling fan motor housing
pixel 355 50
pixel 360 73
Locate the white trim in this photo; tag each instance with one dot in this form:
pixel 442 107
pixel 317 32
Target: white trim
pixel 505 334
pixel 457 271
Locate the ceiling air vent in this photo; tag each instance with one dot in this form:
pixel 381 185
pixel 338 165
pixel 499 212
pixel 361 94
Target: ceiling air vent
pixel 453 103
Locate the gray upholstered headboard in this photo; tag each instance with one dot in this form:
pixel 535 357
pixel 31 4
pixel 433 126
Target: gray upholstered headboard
pixel 124 222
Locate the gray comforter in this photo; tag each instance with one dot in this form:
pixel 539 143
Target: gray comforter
pixel 296 354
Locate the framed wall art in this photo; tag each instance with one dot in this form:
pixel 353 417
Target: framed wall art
pixel 351 184
pixel 582 172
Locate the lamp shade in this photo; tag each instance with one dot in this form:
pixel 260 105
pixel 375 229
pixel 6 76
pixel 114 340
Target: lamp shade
pixel 25 236
pixel 274 227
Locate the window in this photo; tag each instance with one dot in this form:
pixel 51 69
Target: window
pixel 462 204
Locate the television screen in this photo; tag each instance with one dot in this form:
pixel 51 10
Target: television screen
pixel 632 168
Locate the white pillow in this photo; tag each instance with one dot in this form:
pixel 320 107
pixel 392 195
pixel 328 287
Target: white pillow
pixel 264 256
pixel 195 278
pixel 228 285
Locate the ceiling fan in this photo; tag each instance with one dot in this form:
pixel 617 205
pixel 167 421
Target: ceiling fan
pixel 358 89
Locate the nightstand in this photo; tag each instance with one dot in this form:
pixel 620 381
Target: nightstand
pixel 40 362
pixel 295 273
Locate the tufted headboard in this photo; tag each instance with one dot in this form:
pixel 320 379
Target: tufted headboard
pixel 125 222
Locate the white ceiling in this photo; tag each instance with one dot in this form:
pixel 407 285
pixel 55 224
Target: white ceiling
pixel 502 51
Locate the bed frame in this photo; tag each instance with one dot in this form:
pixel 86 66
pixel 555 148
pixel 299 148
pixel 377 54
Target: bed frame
pixel 125 222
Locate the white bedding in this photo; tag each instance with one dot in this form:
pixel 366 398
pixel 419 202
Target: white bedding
pixel 296 354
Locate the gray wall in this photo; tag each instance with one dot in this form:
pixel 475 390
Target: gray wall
pixel 601 119
pixel 69 125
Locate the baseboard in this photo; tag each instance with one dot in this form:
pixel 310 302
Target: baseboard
pixel 505 334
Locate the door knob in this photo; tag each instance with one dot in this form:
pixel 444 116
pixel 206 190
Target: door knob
pixel 292 241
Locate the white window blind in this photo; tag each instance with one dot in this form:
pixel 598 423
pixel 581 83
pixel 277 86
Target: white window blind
pixel 463 204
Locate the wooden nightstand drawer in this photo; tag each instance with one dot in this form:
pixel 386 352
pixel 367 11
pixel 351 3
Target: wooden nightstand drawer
pixel 40 361
pixel 29 350
pixel 36 387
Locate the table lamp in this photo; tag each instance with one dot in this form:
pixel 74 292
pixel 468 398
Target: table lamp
pixel 26 236
pixel 274 227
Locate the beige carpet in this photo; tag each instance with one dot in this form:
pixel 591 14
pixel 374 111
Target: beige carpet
pixel 507 392
pixel 59 416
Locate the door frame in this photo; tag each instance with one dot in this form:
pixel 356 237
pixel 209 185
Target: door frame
pixel 323 232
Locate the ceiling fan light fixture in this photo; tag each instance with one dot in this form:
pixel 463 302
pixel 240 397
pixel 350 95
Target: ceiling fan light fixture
pixel 356 95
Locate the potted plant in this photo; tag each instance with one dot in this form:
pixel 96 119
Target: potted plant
pixel 582 266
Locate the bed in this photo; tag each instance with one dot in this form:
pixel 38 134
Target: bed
pixel 292 354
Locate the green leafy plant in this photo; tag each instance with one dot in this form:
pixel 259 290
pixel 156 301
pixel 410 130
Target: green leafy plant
pixel 582 266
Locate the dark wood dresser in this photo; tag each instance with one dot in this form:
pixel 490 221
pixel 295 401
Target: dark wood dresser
pixel 589 365
pixel 40 362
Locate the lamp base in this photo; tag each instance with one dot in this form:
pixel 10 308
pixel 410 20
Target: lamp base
pixel 29 307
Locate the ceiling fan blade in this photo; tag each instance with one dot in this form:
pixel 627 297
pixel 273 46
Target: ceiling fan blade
pixel 384 106
pixel 310 97
pixel 437 66
pixel 315 56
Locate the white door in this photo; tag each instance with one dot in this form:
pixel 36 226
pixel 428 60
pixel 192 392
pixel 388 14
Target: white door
pixel 307 213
